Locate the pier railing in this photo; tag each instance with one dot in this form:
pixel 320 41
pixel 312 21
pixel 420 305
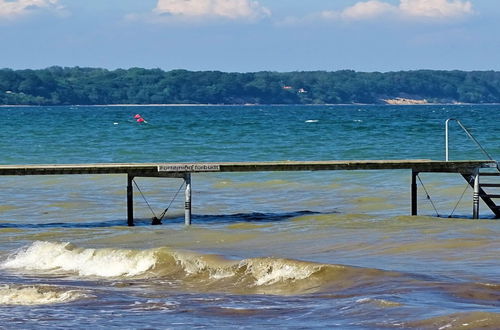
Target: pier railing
pixel 469 134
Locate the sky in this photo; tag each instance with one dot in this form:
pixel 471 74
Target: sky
pixel 252 35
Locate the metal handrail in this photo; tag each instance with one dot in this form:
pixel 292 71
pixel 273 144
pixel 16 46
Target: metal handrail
pixel 468 134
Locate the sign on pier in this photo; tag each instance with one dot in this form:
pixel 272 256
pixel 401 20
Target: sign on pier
pixel 189 168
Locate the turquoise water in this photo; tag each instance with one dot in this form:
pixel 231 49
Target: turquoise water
pixel 301 249
pixel 110 134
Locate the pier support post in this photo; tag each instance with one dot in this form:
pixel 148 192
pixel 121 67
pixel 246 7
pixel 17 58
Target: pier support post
pixel 130 200
pixel 414 198
pixel 187 203
pixel 475 196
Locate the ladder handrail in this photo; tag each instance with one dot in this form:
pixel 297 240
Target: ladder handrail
pixel 468 134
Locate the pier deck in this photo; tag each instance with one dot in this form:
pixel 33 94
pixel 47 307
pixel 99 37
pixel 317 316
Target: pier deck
pixel 173 169
pixel 467 168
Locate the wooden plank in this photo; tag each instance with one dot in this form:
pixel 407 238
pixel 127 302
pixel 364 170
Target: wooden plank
pixel 176 169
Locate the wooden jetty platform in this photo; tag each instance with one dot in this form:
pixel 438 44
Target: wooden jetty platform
pixel 469 169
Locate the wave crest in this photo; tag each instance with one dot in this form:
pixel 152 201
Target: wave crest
pixel 37 295
pixel 65 257
pixel 194 271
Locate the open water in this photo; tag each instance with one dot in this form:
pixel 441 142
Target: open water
pixel 266 250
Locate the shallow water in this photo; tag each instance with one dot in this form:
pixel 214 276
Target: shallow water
pixel 301 249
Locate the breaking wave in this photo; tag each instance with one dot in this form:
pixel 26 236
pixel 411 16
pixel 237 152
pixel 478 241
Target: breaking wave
pixel 196 271
pixel 65 257
pixel 37 295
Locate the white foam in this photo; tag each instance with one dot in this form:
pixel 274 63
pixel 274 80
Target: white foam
pixel 37 295
pixel 271 271
pixel 378 302
pixel 64 257
pixel 194 264
pixel 312 121
pixel 264 271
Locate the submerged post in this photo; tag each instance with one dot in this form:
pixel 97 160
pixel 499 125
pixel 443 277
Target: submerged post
pixel 446 138
pixel 187 203
pixel 475 196
pixel 130 200
pixel 414 198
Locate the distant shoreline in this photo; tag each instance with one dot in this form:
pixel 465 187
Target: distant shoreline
pixel 154 87
pixel 240 105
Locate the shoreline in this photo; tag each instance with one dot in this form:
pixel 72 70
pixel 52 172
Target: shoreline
pixel 240 105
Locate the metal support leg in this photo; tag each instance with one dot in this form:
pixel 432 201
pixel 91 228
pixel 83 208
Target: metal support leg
pixel 475 197
pixel 130 200
pixel 187 203
pixel 414 198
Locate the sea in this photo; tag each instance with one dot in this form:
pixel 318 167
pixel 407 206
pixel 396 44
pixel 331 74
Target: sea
pixel 296 250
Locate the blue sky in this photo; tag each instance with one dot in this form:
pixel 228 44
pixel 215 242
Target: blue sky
pixel 252 35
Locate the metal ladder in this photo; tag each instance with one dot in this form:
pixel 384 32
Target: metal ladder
pixel 474 178
pixel 488 198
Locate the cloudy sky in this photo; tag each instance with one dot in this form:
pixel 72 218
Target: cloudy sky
pixel 252 35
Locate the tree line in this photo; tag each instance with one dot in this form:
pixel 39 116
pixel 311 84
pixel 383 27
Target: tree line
pixel 88 86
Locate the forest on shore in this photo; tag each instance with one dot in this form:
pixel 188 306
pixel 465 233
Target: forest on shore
pixel 91 86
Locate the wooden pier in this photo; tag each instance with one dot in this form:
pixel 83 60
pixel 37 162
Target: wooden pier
pixel 469 169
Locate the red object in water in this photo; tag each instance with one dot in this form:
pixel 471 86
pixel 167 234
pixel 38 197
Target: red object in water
pixel 137 116
pixel 140 120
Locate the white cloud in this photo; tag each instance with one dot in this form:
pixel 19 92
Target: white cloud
pixel 229 9
pixel 415 9
pixel 10 9
pixel 367 10
pixel 436 8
